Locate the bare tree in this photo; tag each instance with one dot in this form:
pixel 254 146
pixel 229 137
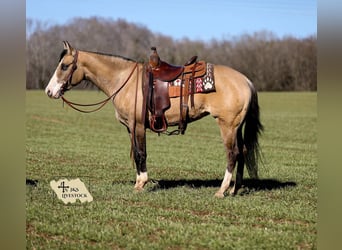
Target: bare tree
pixel 270 62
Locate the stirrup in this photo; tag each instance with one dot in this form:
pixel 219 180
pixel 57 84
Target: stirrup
pixel 158 120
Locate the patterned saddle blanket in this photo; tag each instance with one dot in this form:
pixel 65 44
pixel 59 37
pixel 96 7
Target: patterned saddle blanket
pixel 203 84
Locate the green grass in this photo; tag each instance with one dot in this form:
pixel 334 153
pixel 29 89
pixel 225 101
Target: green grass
pixel 178 209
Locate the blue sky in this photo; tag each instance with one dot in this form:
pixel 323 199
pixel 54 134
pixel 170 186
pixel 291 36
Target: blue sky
pixel 194 19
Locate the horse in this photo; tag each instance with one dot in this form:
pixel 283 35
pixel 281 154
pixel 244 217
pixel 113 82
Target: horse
pixel 234 105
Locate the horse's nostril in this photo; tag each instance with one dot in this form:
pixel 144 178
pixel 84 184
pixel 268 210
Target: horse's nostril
pixel 49 93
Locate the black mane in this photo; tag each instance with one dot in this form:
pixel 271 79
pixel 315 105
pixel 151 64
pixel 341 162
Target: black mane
pixel 63 53
pixel 112 55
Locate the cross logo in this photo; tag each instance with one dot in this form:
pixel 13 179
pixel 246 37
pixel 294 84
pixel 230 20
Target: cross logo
pixel 63 187
pixel 69 191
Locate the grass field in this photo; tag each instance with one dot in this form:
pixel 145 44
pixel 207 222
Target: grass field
pixel 178 209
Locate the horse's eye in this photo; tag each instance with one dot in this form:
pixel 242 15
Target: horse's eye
pixel 64 67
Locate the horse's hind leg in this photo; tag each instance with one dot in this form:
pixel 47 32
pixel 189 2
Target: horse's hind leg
pixel 139 154
pixel 229 136
pixel 241 163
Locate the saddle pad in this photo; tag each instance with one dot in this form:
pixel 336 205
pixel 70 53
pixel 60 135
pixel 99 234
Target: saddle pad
pixel 204 84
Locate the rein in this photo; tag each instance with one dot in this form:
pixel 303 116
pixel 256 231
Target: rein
pixel 102 103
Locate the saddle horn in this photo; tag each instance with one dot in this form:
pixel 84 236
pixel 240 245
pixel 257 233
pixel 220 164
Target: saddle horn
pixel 154 58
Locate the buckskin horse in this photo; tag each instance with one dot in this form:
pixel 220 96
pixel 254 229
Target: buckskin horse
pixel 234 105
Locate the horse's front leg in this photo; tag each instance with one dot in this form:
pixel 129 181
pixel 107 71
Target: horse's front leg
pixel 139 154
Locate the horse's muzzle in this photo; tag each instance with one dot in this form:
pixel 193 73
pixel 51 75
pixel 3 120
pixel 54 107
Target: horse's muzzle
pixel 49 93
pixel 57 95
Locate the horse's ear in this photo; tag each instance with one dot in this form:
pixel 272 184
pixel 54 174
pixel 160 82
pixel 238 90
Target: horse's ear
pixel 68 47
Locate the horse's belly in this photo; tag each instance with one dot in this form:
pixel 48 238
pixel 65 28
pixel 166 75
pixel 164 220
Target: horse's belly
pixel 198 111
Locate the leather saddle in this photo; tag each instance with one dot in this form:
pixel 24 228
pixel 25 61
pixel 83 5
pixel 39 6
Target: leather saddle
pixel 160 74
pixel 168 72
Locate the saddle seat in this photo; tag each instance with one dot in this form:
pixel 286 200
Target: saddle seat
pixel 164 71
pixel 167 72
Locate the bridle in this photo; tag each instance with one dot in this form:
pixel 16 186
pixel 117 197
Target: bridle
pixel 67 85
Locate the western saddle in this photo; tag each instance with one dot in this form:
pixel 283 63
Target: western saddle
pixel 156 92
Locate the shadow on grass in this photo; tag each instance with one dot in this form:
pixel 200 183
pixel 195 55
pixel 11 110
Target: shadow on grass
pixel 31 182
pixel 248 184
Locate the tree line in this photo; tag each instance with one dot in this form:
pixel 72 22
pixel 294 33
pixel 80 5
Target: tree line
pixel 272 63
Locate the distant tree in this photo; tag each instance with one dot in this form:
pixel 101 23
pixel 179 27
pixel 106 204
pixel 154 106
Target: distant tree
pixel 273 64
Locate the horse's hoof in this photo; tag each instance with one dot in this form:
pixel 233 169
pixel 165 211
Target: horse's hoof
pixel 138 189
pixel 232 192
pixel 219 195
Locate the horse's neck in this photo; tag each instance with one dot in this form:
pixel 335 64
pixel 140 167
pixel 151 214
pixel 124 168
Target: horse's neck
pixel 106 72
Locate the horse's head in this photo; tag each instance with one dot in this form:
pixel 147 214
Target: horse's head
pixel 67 74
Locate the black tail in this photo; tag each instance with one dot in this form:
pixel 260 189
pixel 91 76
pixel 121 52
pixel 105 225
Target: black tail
pixel 253 128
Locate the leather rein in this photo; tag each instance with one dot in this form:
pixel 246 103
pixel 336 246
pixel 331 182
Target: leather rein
pixel 74 105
